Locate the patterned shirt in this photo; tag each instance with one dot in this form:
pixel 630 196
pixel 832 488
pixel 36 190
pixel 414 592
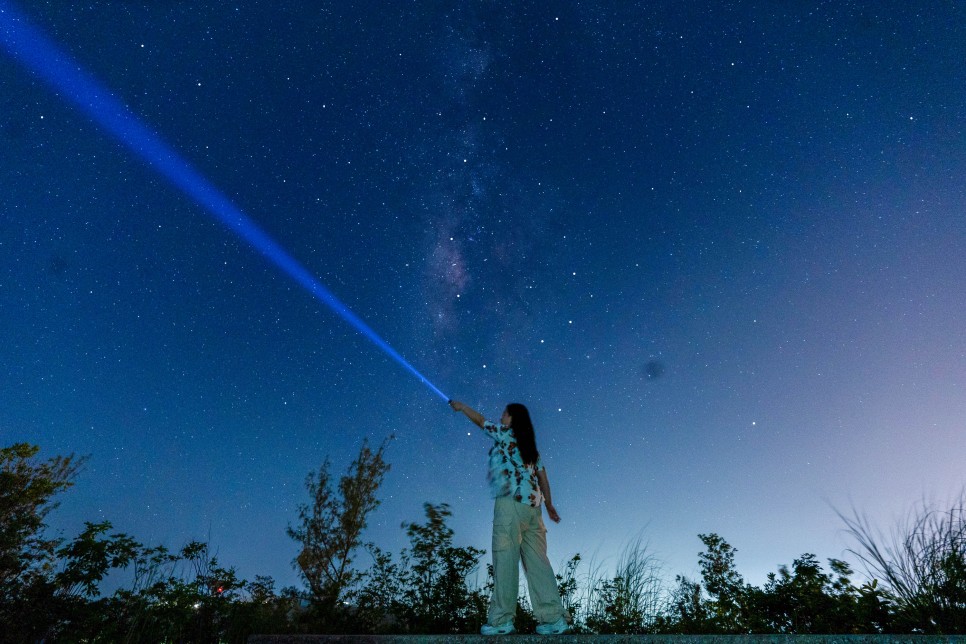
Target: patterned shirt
pixel 508 476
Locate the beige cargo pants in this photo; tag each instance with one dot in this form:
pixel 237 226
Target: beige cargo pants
pixel 518 532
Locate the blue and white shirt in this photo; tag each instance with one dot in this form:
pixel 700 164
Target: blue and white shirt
pixel 508 476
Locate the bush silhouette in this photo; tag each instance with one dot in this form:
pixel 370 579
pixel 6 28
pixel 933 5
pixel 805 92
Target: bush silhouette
pixel 50 587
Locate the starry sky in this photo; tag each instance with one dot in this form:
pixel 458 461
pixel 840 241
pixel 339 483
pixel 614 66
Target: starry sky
pixel 718 248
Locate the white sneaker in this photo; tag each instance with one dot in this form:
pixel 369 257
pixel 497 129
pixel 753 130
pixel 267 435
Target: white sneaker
pixel 557 628
pixel 505 629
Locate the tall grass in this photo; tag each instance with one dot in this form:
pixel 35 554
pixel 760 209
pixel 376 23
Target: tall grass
pixel 629 599
pixel 921 564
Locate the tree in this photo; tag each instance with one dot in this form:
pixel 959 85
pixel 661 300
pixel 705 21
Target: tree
pixel 428 589
pixel 717 606
pixel 379 600
pixel 688 611
pixel 436 594
pixel 27 557
pixel 723 582
pixel 50 588
pixel 330 529
pixel 803 599
pixel 49 585
pixel 27 487
pixel 807 600
pixel 87 559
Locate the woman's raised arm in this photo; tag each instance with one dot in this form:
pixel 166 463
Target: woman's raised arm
pixel 471 413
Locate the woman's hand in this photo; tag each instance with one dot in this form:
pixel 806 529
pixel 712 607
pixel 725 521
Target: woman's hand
pixel 471 413
pixel 552 513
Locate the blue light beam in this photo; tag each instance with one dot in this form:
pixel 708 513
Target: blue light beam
pixel 37 53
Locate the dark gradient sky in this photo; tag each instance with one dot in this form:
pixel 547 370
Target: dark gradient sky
pixel 719 249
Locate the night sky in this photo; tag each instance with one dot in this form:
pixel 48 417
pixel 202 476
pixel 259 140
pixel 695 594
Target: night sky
pixel 718 249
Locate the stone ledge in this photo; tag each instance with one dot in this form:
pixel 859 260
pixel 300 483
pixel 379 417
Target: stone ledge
pixel 608 639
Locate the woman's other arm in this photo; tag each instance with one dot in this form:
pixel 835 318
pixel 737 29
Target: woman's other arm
pixel 544 484
pixel 471 413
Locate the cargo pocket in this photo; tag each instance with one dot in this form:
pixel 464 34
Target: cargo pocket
pixel 506 527
pixel 503 536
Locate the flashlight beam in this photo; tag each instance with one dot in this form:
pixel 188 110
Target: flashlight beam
pixel 68 79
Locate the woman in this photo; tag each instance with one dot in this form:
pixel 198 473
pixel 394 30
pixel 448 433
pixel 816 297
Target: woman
pixel 519 483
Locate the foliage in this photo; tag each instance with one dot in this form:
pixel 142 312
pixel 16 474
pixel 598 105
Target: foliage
pixel 27 486
pixel 687 610
pixel 437 597
pixel 32 603
pixel 330 530
pixel 429 590
pixel 631 600
pixel 50 588
pixel 569 587
pixel 922 566
pixel 807 600
pixel 379 599
pixel 801 600
pixel 184 596
pixel 723 583
pixel 524 620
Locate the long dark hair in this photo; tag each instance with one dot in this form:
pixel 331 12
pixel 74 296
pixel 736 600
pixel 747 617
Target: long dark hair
pixel 522 428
